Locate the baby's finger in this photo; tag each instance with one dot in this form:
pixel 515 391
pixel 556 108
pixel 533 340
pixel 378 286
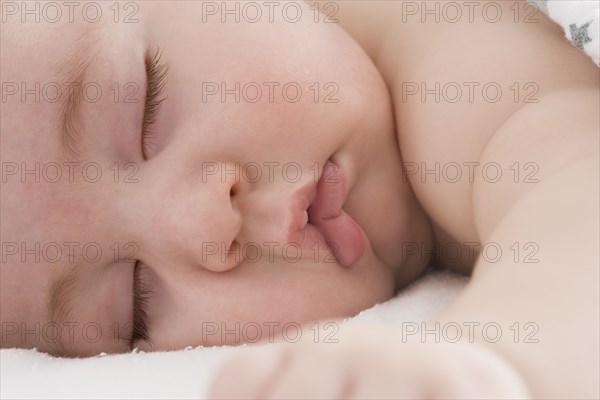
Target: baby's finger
pixel 315 373
pixel 453 370
pixel 246 375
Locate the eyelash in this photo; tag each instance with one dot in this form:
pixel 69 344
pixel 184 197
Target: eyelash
pixel 156 75
pixel 141 295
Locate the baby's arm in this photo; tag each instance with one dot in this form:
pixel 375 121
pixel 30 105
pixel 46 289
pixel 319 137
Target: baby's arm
pixel 559 216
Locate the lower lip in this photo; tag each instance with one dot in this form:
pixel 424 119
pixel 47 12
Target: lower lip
pixel 341 233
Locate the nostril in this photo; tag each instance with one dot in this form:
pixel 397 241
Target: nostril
pixel 233 255
pixel 233 248
pixel 310 216
pixel 305 219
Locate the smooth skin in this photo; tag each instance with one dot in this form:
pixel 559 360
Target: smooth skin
pixel 559 213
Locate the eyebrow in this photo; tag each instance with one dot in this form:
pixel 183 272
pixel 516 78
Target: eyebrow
pixel 75 70
pixel 60 298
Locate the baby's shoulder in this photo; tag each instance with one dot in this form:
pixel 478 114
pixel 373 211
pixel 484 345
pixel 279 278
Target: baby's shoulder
pixel 478 111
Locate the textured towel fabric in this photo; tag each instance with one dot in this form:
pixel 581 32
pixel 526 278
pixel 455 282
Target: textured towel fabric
pixel 186 373
pixel 580 20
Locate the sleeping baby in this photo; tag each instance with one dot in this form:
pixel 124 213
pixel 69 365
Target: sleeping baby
pixel 212 173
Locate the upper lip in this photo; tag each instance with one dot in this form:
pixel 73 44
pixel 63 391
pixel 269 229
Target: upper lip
pixel 336 228
pixel 301 202
pixel 303 210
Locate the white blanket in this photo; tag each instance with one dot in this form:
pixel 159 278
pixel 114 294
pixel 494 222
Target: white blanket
pixel 580 19
pixel 186 373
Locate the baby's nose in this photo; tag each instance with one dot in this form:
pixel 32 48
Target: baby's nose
pixel 204 224
pixel 274 215
pixel 223 224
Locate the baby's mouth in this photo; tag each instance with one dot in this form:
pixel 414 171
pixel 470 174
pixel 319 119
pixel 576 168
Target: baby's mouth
pixel 340 232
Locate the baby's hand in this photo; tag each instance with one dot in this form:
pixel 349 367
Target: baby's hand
pixel 368 363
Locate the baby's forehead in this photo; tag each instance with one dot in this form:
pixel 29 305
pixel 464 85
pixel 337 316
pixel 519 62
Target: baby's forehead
pixel 38 51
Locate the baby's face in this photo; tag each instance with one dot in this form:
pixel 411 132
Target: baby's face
pixel 186 222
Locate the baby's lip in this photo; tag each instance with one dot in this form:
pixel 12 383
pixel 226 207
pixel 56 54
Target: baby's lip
pixel 323 213
pixel 301 203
